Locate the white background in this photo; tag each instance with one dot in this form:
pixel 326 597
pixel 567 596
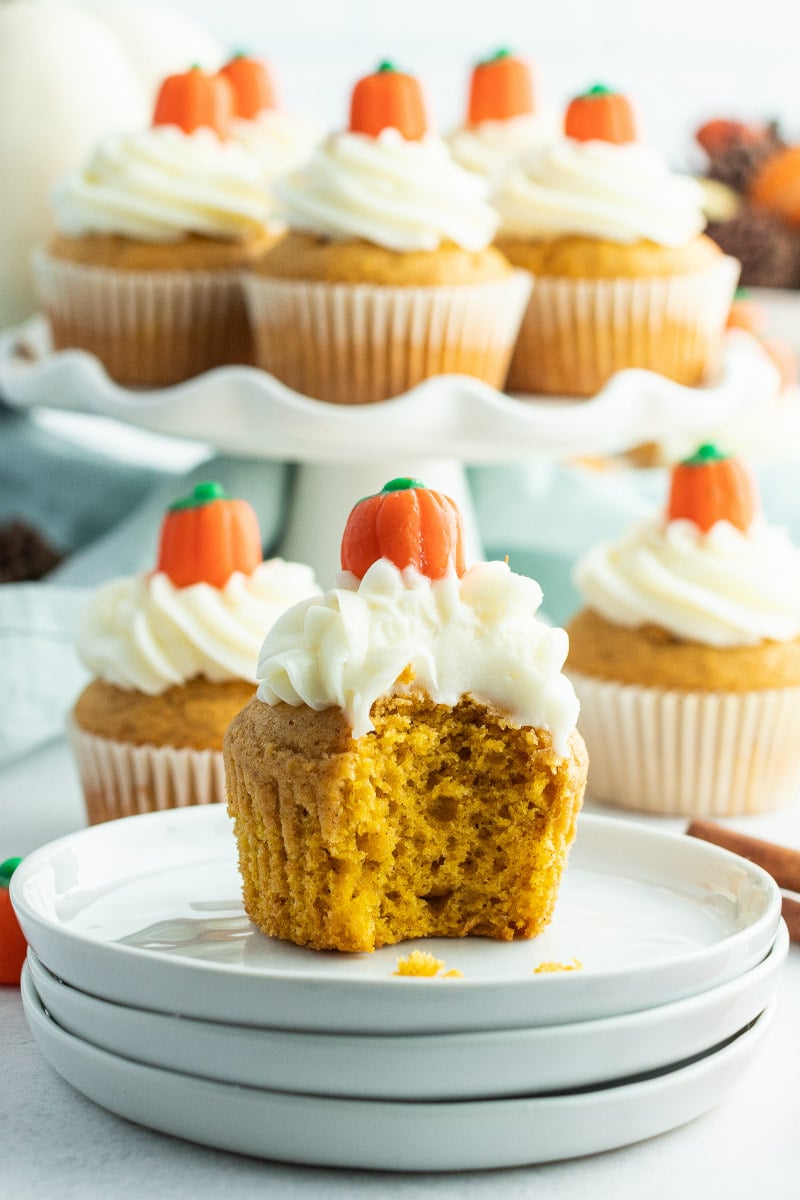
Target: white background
pixel 681 61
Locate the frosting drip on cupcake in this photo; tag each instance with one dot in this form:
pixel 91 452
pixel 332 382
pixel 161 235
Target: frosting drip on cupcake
pixel 160 185
pixel 721 588
pixel 492 147
pixel 142 632
pixel 475 636
pixel 621 193
pixel 400 194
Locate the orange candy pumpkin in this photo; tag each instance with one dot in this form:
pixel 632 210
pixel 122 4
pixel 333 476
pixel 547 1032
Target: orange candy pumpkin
pixel 411 525
pixel 195 99
pixel 600 115
pixel 253 88
pixel 776 184
pixel 388 99
pixel 207 536
pixel 501 87
pixel 711 486
pixel 13 946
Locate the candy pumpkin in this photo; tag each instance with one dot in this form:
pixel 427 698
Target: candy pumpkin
pixel 711 486
pixel 776 184
pixel 411 525
pixel 388 99
pixel 195 99
pixel 251 81
pixel 207 536
pixel 501 87
pixel 13 947
pixel 600 115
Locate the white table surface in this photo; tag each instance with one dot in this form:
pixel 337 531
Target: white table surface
pixel 56 1143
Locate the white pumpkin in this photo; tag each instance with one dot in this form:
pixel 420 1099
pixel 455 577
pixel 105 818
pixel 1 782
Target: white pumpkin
pixel 71 71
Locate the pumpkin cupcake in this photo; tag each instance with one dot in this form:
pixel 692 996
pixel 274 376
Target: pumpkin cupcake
pixel 153 233
pixel 410 766
pixel 173 654
pixel 623 275
pixel 386 276
pixel 504 121
pixel 686 656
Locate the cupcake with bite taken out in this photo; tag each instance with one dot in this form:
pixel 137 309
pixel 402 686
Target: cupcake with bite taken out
pixel 173 654
pixel 152 234
pixel 410 765
pixel 386 276
pixel 623 274
pixel 686 654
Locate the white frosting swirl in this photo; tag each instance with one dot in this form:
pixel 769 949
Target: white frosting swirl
pixel 279 141
pixel 722 588
pixel 160 184
pixel 492 147
pixel 475 636
pixel 403 195
pixel 622 193
pixel 142 632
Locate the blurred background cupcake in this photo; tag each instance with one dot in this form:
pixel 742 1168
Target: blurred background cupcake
pixel 153 232
pixel 386 276
pixel 624 276
pixel 173 654
pixel 686 654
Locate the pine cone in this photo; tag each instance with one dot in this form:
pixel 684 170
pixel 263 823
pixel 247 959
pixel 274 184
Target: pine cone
pixel 24 553
pixel 737 161
pixel 767 248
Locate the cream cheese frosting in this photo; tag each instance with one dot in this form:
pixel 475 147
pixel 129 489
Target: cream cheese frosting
pixel 492 147
pixel 141 632
pixel 475 636
pixel 721 588
pixel 278 140
pixel 622 193
pixel 402 195
pixel 161 184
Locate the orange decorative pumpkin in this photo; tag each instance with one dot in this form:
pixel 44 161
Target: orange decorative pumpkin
pixel 389 99
pixel 711 486
pixel 746 313
pixel 600 115
pixel 409 524
pixel 207 536
pixel 195 99
pixel 776 184
pixel 13 946
pixel 721 134
pixel 501 87
pixel 251 81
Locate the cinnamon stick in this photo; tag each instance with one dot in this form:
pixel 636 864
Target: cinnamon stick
pixel 781 862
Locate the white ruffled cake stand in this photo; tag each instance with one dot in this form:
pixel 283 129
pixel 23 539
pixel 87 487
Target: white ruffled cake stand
pixel 429 433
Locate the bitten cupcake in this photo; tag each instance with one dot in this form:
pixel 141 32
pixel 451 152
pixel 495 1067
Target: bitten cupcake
pixel 386 276
pixel 152 235
pixel 623 275
pixel 174 654
pixel 686 656
pixel 504 119
pixel 410 766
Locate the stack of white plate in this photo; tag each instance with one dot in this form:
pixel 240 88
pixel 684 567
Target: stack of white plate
pixel 148 990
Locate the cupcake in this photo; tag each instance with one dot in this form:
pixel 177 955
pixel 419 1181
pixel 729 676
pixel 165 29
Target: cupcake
pixel 152 234
pixel 386 276
pixel 174 654
pixel 410 765
pixel 686 655
pixel 503 120
pixel 623 275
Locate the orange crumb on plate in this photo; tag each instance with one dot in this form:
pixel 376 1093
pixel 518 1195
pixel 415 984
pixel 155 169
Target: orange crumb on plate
pixel 423 964
pixel 545 968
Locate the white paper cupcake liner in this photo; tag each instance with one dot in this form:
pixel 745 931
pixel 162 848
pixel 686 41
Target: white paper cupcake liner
pixel 148 328
pixel 576 333
pixel 360 343
pixel 120 780
pixel 694 754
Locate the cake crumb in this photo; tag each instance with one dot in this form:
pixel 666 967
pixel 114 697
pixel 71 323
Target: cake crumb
pixel 545 968
pixel 423 964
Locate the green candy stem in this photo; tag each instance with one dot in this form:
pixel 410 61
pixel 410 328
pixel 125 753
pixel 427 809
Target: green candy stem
pixel 707 453
pixel 202 493
pixel 7 869
pixel 597 90
pixel 385 66
pixel 741 293
pixel 402 484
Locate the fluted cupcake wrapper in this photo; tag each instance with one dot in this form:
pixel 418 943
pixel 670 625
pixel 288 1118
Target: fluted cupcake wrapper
pixel 148 328
pixel 121 780
pixel 694 754
pixel 577 333
pixel 360 343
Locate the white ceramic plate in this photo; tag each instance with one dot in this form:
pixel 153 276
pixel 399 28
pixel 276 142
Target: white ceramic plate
pixel 241 410
pixel 389 1135
pixel 146 911
pixel 459 1066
